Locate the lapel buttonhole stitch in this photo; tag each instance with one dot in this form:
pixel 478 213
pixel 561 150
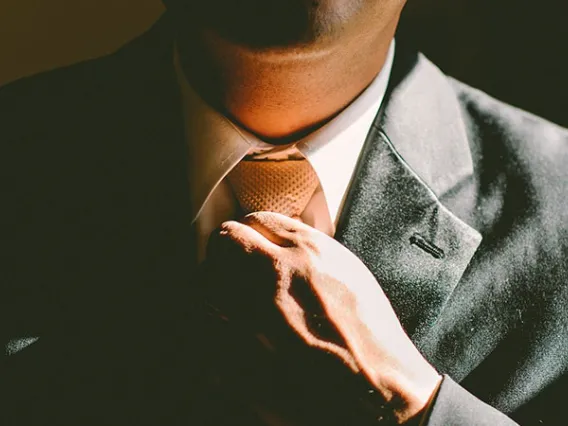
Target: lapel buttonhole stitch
pixel 430 248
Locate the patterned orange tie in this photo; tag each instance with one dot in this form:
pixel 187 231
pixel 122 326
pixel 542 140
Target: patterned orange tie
pixel 282 186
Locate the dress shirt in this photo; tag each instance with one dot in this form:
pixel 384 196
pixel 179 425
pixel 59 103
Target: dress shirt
pixel 216 144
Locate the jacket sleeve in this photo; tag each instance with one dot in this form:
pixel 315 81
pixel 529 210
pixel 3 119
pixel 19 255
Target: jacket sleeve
pixel 455 406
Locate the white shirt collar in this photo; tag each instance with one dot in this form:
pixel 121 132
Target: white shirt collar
pixel 216 144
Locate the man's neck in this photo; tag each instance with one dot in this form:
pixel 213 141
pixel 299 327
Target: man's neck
pixel 280 95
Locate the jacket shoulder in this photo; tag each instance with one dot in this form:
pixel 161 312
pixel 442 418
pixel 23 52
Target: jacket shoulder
pixel 53 99
pixel 103 87
pixel 529 150
pixel 525 136
pixel 521 178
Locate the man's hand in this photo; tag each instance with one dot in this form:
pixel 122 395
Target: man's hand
pixel 330 300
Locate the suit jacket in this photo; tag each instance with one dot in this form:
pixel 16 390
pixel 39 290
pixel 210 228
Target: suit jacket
pixel 458 208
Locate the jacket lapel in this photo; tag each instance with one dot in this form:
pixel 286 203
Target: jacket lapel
pixel 416 151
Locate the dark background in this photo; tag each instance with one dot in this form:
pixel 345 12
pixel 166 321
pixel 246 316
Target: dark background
pixel 516 50
pixel 513 49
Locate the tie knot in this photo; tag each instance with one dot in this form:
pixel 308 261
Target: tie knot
pixel 278 186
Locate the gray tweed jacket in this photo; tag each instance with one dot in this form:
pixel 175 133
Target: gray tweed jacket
pixel 459 208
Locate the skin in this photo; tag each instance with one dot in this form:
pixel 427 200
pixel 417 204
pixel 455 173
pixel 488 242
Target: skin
pixel 302 274
pixel 281 68
pixel 289 67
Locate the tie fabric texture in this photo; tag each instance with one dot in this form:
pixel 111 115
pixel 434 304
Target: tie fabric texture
pixel 281 186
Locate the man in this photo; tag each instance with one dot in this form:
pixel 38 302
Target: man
pixel 415 234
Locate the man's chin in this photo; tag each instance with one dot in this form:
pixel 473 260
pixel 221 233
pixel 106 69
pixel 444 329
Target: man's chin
pixel 275 23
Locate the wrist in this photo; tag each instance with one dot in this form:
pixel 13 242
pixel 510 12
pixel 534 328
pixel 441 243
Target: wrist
pixel 411 398
pixel 407 389
pixel 397 405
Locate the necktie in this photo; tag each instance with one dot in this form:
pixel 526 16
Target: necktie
pixel 282 186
